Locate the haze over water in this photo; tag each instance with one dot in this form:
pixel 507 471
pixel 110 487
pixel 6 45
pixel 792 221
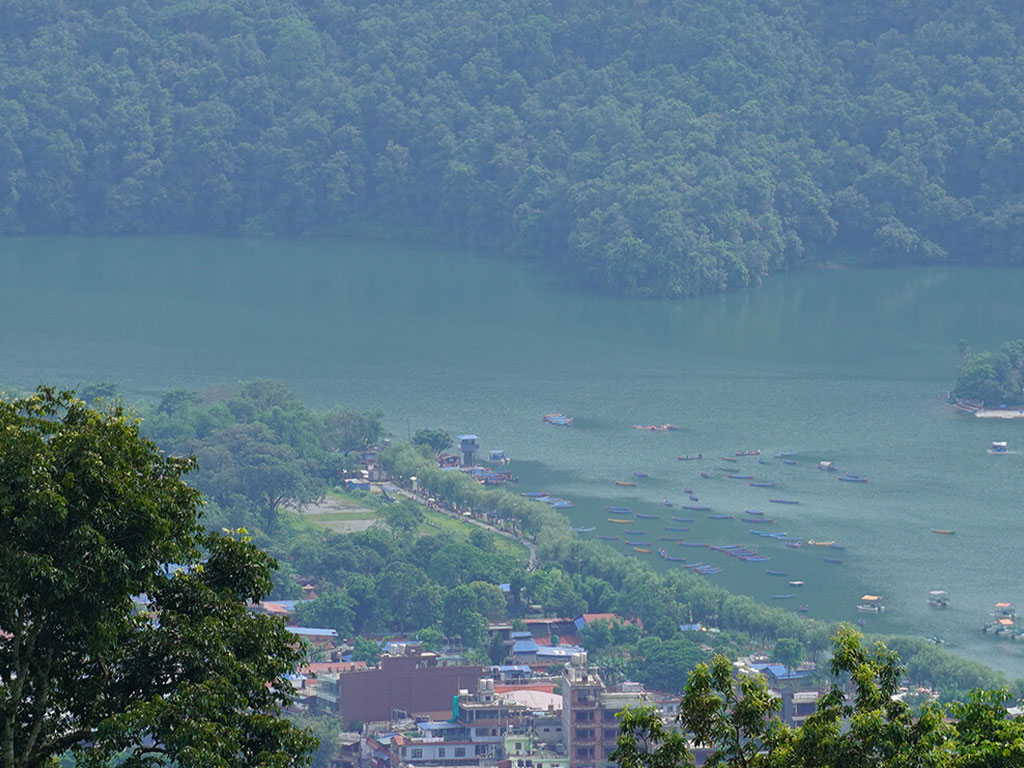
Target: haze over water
pixel 844 365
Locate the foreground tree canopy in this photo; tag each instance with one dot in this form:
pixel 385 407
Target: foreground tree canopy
pixel 858 723
pixel 663 148
pixel 93 521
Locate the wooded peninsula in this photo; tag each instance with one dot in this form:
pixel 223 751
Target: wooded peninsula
pixel 660 149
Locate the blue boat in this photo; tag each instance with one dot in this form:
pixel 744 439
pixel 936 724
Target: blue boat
pixel 692 544
pixel 675 528
pixel 763 485
pixel 607 538
pixel 649 517
pixel 832 560
pixel 753 512
pixel 635 532
pixel 852 479
pixel 639 543
pixel 619 509
pixel 687 490
pixel 641 475
pixel 705 475
pixel 693 498
pixel 719 517
pixel 535 494
pixel 740 477
pixel 694 509
pixel 782 597
pixel 777 573
pixel 783 501
pixel 682 519
pixel 788 461
pixel 667 503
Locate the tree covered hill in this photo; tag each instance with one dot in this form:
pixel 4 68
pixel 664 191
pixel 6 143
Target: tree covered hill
pixel 658 148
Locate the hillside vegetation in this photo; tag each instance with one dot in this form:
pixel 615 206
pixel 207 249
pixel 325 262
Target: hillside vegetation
pixel 659 148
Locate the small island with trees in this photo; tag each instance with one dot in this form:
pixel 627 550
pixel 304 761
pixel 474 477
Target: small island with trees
pixel 992 383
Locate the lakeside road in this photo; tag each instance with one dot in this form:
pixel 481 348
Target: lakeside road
pixel 425 502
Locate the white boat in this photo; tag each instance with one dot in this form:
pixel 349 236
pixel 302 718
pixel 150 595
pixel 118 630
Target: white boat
pixel 998 448
pixel 938 599
pixel 796 583
pixel 871 604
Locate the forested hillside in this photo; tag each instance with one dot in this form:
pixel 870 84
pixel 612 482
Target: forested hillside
pixel 662 148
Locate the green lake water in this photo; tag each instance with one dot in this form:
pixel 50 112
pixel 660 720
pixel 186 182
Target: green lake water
pixel 849 366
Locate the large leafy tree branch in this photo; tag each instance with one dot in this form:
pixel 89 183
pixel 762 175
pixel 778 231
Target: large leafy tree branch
pixel 860 723
pixel 91 515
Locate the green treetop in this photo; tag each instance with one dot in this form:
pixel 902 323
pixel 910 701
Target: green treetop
pixel 92 517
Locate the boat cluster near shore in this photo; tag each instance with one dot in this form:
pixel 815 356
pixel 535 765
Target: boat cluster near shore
pixel 677 545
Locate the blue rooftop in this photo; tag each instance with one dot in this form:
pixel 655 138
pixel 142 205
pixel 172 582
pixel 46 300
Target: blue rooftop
pixel 317 631
pixel 468 437
pixel 515 635
pixel 778 671
pixel 525 646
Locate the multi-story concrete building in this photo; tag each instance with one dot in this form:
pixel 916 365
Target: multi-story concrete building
pixel 588 713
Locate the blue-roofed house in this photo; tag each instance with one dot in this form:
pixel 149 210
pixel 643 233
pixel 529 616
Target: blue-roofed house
pixel 512 673
pixel 777 671
pixel 317 636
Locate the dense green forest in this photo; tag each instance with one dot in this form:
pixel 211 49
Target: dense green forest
pixel 659 148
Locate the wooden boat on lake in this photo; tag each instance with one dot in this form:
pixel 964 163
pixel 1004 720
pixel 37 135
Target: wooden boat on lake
pixel 558 419
pixel 642 550
pixel 943 530
pixel 814 543
pixel 625 483
pixel 698 457
pixel 619 520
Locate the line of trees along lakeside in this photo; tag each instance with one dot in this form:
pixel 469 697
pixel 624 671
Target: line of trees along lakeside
pixel 660 149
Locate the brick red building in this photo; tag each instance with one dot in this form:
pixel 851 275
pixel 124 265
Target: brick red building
pixel 416 683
